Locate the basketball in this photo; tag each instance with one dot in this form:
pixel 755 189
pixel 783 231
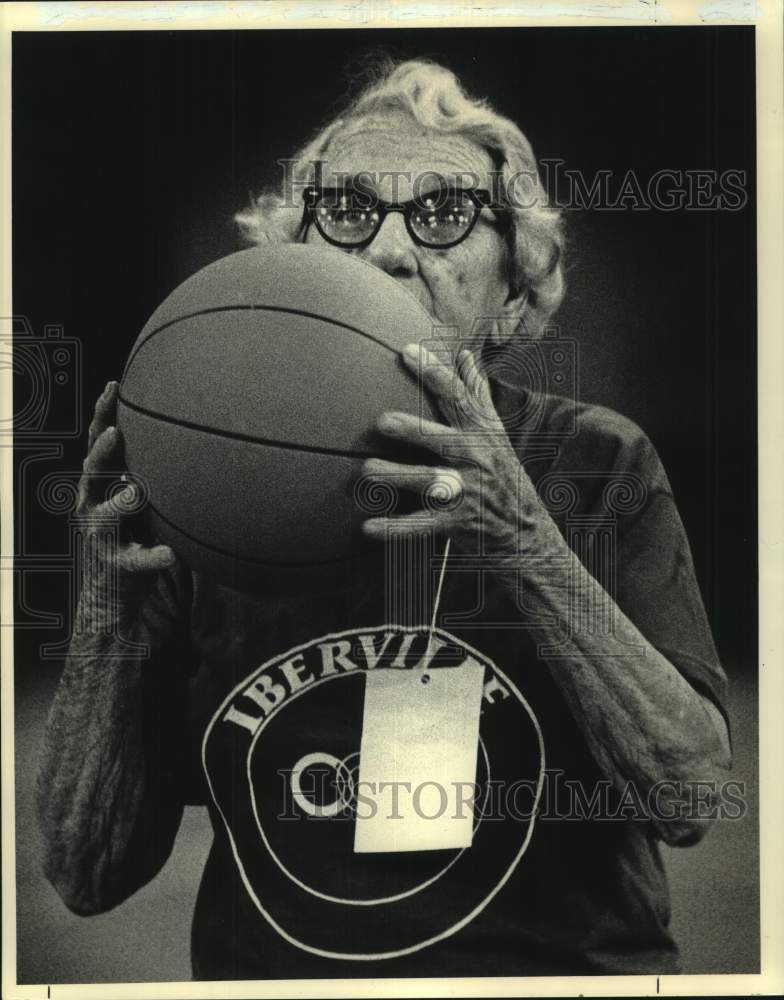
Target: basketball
pixel 248 403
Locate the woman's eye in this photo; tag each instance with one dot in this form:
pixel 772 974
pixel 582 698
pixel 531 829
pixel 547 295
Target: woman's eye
pixel 454 215
pixel 448 216
pixel 347 215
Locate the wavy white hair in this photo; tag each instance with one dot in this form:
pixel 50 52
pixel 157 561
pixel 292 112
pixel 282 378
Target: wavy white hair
pixel 433 96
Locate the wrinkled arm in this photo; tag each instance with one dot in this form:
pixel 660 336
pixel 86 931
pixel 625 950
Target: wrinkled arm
pixel 110 784
pixel 642 720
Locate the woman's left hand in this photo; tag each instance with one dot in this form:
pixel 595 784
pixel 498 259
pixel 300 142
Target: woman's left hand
pixel 478 494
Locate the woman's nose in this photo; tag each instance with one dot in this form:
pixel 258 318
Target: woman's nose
pixel 392 249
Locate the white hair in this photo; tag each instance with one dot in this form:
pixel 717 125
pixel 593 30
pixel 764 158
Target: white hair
pixel 433 96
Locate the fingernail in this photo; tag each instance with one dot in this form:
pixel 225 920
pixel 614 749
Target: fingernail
pixel 411 351
pixel 388 421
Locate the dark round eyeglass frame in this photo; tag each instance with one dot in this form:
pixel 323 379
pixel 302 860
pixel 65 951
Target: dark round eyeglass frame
pixel 313 194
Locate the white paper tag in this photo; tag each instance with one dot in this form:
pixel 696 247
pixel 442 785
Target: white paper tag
pixel 417 765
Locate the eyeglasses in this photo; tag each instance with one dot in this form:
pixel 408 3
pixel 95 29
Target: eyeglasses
pixel 439 219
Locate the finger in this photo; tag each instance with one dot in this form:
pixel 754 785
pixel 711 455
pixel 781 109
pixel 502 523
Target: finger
pixel 409 477
pixel 123 504
pixel 442 380
pixel 102 458
pixel 118 507
pixel 475 381
pixel 105 413
pixel 415 430
pixel 136 558
pixel 104 452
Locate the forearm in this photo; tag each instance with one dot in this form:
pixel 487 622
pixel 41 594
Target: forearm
pixel 109 802
pixel 642 720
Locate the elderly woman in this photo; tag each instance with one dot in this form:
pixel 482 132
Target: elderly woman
pixel 581 588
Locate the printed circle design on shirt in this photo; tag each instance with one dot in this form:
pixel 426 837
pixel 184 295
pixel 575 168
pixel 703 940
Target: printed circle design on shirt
pixel 345 784
pixel 281 756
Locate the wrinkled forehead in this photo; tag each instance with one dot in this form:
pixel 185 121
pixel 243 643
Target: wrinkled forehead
pixel 397 156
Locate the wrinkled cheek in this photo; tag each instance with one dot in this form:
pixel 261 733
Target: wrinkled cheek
pixel 450 290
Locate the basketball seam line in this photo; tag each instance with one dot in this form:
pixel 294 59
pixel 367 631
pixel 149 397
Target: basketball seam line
pixel 238 436
pixel 247 559
pixel 253 308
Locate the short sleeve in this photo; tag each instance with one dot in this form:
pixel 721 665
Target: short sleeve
pixel 610 467
pixel 656 585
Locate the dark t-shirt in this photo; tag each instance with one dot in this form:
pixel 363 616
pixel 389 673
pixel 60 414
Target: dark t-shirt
pixel 563 875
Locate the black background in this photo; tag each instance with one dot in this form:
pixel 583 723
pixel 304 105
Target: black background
pixel 133 151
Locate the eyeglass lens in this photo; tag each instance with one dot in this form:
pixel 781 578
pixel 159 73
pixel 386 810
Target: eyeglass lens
pixel 346 218
pixel 437 220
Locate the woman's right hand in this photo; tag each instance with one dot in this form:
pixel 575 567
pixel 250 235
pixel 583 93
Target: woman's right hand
pixel 118 570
